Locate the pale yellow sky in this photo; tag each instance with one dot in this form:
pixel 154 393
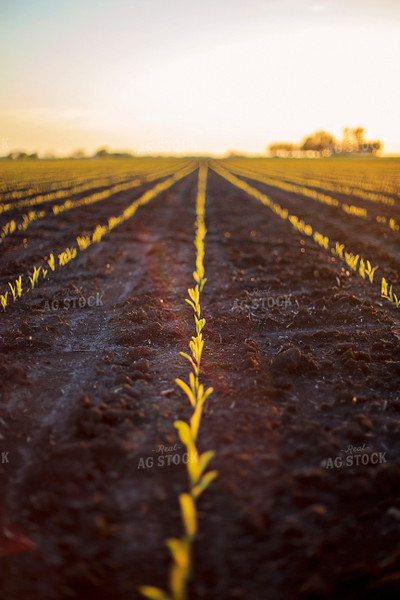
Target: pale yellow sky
pixel 195 77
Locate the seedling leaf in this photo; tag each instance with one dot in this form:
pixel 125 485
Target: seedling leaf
pixel 153 593
pixel 189 515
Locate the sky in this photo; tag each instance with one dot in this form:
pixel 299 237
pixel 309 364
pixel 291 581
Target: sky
pixel 191 77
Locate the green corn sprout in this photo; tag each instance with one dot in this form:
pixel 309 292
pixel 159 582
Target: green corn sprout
pixel 18 284
pixel 199 324
pixel 99 232
pixel 3 300
pixel 370 271
pixel 388 294
pixel 196 346
pixel 51 262
pixel 351 260
pixel 13 291
pixel 83 242
pixel 181 548
pixel 8 228
pixel 194 299
pixel 322 240
pixel 365 268
pixel 67 255
pixel 35 277
pixel 338 250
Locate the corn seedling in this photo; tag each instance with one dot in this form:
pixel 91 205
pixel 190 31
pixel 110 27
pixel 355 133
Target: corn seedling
pixel 181 548
pixel 29 218
pixel 194 299
pixel 51 262
pixel 338 250
pixel 8 228
pixel 322 240
pixel 67 255
pixel 365 268
pixel 355 210
pixel 18 285
pixel 3 300
pixel 351 260
pixel 13 291
pixel 98 233
pixel 388 294
pixel 83 242
pixel 35 276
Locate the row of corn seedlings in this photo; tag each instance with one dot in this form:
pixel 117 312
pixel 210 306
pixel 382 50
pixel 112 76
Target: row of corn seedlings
pixel 23 225
pixel 84 241
pixel 355 262
pixel 302 190
pixel 307 192
pixel 56 194
pixel 69 204
pixel 121 187
pixel 199 479
pixel 64 189
pixel 329 182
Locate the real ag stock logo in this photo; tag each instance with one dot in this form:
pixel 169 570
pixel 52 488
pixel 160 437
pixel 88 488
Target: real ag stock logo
pixel 355 456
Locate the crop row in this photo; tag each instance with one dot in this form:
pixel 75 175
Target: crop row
pixel 20 179
pixel 370 176
pixel 58 193
pixel 302 190
pixel 355 262
pixel 112 181
pixel 45 189
pixel 332 186
pixel 55 261
pixel 32 216
pixel 181 548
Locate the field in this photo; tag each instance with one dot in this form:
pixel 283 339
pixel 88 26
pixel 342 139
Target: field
pixel 108 269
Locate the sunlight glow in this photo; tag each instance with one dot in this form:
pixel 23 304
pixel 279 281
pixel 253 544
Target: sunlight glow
pixel 197 78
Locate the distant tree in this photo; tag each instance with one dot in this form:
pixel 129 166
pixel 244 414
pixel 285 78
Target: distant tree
pixel 354 141
pixel 353 138
pixel 78 154
pixel 33 156
pixel 358 133
pixel 102 153
pixel 17 155
pixel 324 143
pixel 281 149
pixel 105 153
pixel 372 147
pixel 320 141
pixel 121 154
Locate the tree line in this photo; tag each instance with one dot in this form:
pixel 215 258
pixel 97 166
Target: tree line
pixel 323 143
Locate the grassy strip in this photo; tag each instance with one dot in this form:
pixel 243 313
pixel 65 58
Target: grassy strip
pixel 181 548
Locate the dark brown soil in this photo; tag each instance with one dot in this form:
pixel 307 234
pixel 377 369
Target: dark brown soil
pixel 305 362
